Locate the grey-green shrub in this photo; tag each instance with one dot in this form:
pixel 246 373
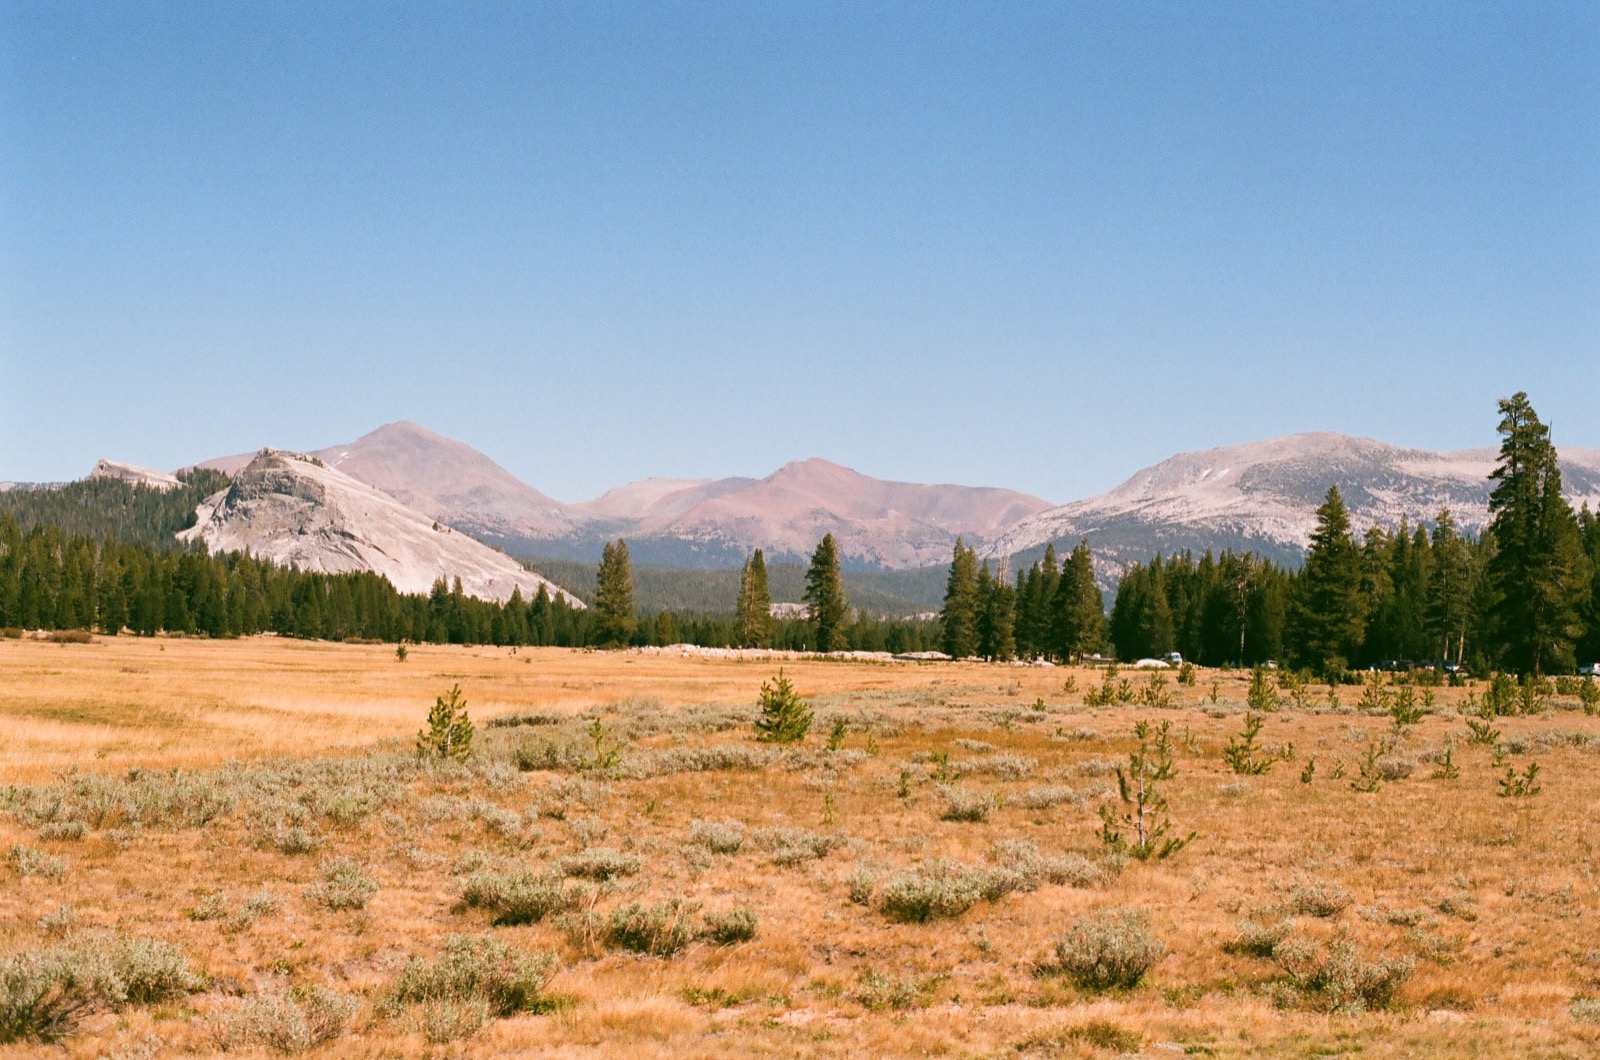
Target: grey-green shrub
pixel 661 929
pixel 1319 898
pixel 942 889
pixel 287 1021
pixel 343 885
pixel 44 993
pixel 969 806
pixel 1337 978
pixel 474 968
pixel 600 863
pixel 1107 949
pixel 519 895
pixel 734 925
pixel 718 837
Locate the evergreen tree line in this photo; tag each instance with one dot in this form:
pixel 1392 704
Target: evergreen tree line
pixel 102 507
pixel 1524 596
pixel 50 579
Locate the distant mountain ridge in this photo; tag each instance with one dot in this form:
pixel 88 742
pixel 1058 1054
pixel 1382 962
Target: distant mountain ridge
pixel 1263 496
pixel 694 523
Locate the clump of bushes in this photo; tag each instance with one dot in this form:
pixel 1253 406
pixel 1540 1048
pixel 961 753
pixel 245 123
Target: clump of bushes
pixel 969 806
pixel 664 928
pixel 519 895
pixel 1033 868
pixel 795 846
pixel 942 889
pixel 1108 949
pixel 287 1021
pixel 1337 978
pixel 476 979
pixel 45 993
pixel 1319 898
pixel 600 863
pixel 343 885
pixel 718 837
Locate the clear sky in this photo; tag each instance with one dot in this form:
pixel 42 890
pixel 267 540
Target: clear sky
pixel 1037 246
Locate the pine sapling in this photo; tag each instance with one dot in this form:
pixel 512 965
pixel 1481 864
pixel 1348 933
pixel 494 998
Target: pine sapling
pixel 1482 733
pixel 1447 769
pixel 449 732
pixel 785 718
pixel 1245 757
pixel 836 734
pixel 1522 785
pixel 1138 788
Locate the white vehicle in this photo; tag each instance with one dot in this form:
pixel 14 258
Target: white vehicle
pixel 1592 670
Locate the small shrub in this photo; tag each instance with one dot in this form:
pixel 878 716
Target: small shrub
pixel 27 861
pixel 518 896
pixel 662 929
pixel 967 806
pixel 1099 1034
pixel 1032 868
pixel 600 863
pixel 878 992
pixel 70 636
pixel 288 1021
pixel 785 717
pixel 719 838
pixel 1046 797
pixel 1108 949
pixel 343 885
pixel 863 884
pixel 475 969
pixel 1585 1010
pixel 211 906
pixel 1522 785
pixel 62 831
pixel 1256 939
pixel 1336 978
pixel 795 846
pixel 941 890
pixel 1319 898
pixel 735 925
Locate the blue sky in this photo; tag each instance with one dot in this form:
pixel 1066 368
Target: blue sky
pixel 1037 246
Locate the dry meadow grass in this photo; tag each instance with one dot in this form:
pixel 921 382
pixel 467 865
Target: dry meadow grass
pixel 205 793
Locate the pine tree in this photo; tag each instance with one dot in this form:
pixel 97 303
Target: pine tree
pixel 997 617
pixel 754 611
pixel 1538 571
pixel 1328 610
pixel 959 619
pixel 825 597
pixel 785 717
pixel 614 618
pixel 1078 613
pixel 1449 590
pixel 449 732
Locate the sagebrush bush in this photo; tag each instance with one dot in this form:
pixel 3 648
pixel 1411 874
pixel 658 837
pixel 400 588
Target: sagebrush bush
pixel 661 929
pixel 1336 978
pixel 1033 868
pixel 795 846
pixel 474 968
pixel 287 1021
pixel 62 830
pixel 1046 797
pixel 969 806
pixel 44 993
pixel 1108 949
pixel 734 925
pixel 343 885
pixel 600 863
pixel 942 889
pixel 1319 898
pixel 718 837
pixel 519 895
pixel 1257 939
pixel 878 992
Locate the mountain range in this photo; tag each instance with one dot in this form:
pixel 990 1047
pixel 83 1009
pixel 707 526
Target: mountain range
pixel 389 500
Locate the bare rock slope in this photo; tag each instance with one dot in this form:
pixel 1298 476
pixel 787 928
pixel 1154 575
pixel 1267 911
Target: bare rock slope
pixel 134 475
pixel 1264 495
pixel 294 509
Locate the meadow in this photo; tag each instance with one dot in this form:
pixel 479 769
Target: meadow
pixel 234 846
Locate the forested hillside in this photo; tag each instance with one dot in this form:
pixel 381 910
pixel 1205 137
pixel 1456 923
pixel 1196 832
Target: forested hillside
pixel 101 507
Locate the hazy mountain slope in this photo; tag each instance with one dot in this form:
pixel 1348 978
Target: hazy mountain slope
pixel 655 499
pixel 294 509
pixel 1264 495
pixel 876 523
pixel 134 475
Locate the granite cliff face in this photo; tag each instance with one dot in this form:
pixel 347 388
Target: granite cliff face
pixel 295 510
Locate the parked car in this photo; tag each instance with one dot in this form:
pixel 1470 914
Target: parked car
pixel 1592 670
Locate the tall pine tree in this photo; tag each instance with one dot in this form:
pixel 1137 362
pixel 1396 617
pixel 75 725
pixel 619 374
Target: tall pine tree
pixel 754 612
pixel 1077 613
pixel 825 597
pixel 1327 613
pixel 1538 572
pixel 614 618
pixel 958 621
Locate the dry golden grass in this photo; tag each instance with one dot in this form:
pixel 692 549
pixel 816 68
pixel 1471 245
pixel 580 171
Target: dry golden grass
pixel 1494 899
